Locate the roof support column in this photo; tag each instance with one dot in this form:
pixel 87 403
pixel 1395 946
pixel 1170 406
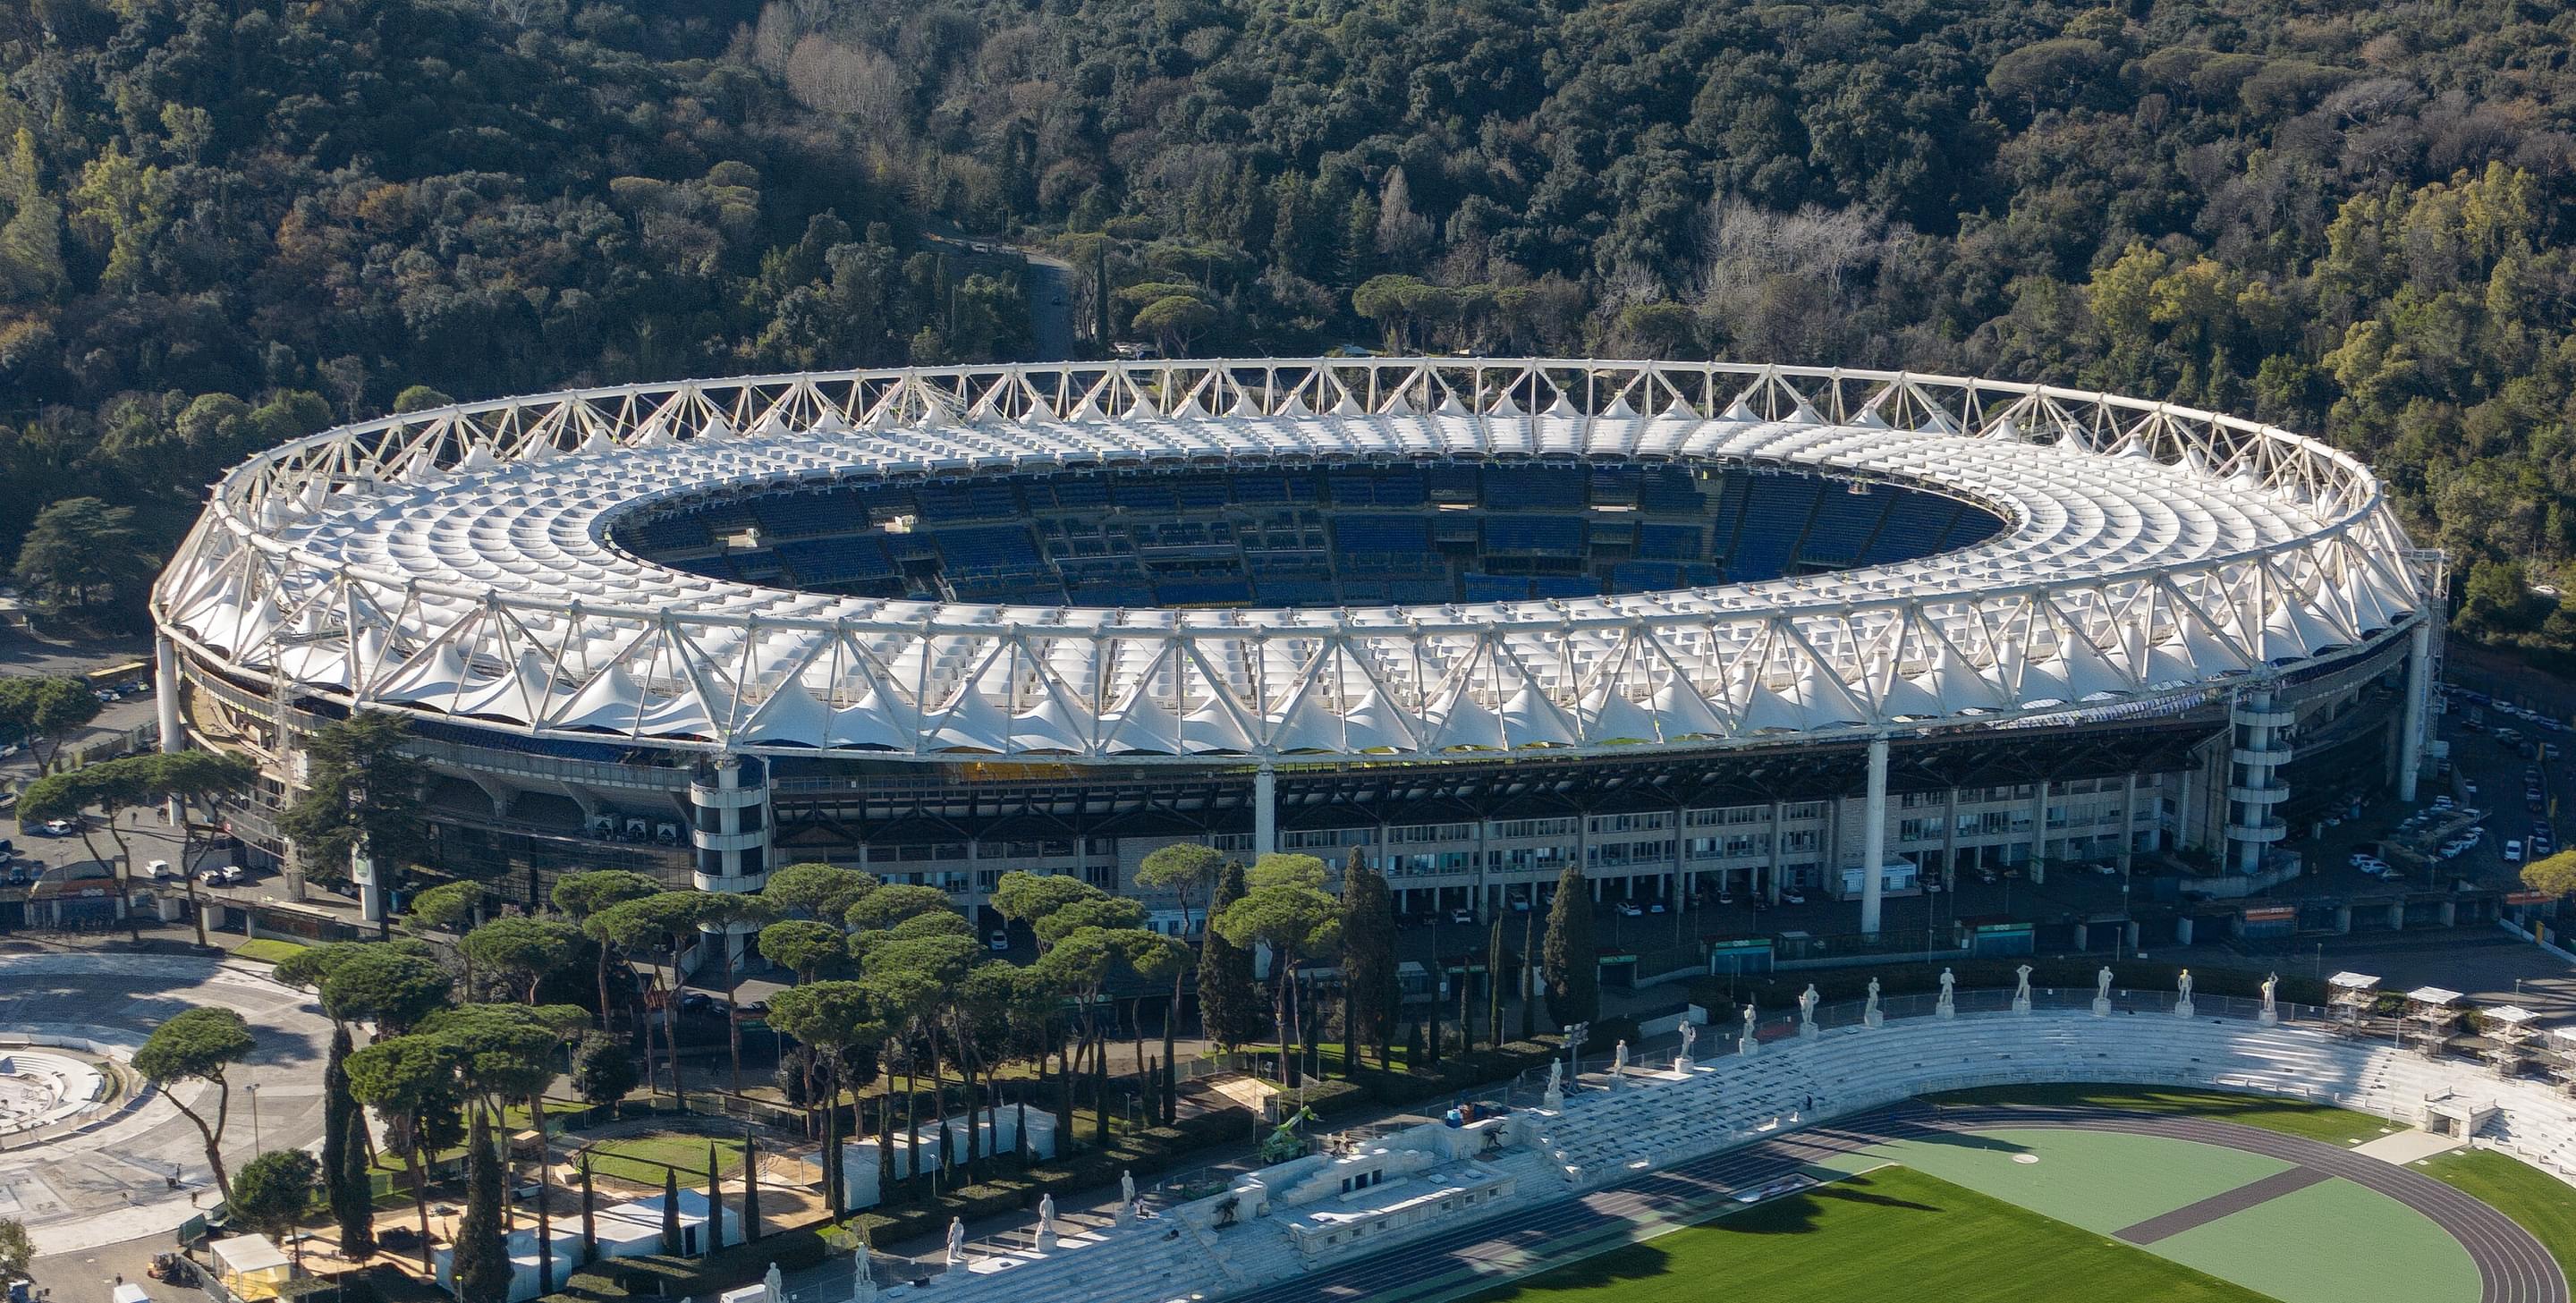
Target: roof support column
pixel 2419 691
pixel 165 693
pixel 1265 811
pixel 2039 833
pixel 1873 837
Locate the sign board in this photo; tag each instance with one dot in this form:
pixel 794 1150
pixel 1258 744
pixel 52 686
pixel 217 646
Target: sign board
pixel 2272 914
pixel 2528 898
pixel 1608 960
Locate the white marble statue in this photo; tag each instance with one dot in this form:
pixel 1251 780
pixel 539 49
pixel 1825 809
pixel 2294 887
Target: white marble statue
pixel 2102 983
pixel 1690 1037
pixel 2021 984
pixel 863 1277
pixel 2271 985
pixel 2185 984
pixel 775 1286
pixel 1556 1076
pixel 1619 1058
pixel 1869 1012
pixel 1948 1005
pixel 1126 1187
pixel 956 1241
pixel 1046 1222
pixel 1749 1017
pixel 1807 1000
pixel 1949 983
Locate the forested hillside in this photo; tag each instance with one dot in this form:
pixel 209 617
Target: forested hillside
pixel 225 224
pixel 2349 219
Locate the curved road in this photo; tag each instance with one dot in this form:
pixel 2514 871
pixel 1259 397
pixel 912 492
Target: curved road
pixel 2513 1266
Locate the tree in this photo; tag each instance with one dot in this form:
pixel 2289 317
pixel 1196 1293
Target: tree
pixel 1368 958
pixel 1294 920
pixel 198 782
pixel 80 549
pixel 1184 869
pixel 602 1070
pixel 2555 874
pixel 361 795
pixel 885 907
pixel 816 891
pixel 1227 1012
pixel 411 1082
pixel 832 1017
pixel 112 787
pixel 481 1263
pixel 1493 985
pixel 670 1211
pixel 654 923
pixel 199 1044
pixel 385 983
pixel 274 1191
pixel 1571 961
pixel 803 946
pixel 521 947
pixel 751 1189
pixel 714 1240
pixel 344 1178
pixel 581 895
pixel 43 713
pixel 17 1249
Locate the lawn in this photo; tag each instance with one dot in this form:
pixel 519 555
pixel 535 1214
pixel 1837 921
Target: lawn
pixel 2545 1205
pixel 1890 1233
pixel 269 951
pixel 2335 1126
pixel 640 1159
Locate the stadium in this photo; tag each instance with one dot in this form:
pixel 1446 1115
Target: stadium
pixel 1703 628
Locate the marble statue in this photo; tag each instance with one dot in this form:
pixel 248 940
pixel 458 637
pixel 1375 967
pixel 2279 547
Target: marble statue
pixel 956 1241
pixel 1690 1037
pixel 1949 982
pixel 863 1278
pixel 775 1286
pixel 1746 1044
pixel 1126 1187
pixel 1555 1076
pixel 1619 1058
pixel 1749 1017
pixel 1807 1001
pixel 2182 1007
pixel 2271 985
pixel 1046 1222
pixel 2021 985
pixel 2102 983
pixel 1869 1013
pixel 2185 983
pixel 1948 1005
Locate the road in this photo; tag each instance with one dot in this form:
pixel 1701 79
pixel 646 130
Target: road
pixel 1049 287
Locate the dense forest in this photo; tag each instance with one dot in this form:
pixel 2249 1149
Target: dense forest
pixel 226 223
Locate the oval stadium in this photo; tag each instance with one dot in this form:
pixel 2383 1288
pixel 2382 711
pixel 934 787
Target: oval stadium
pixel 1711 630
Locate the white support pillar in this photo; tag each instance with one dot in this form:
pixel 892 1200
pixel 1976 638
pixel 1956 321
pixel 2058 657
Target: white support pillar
pixel 165 693
pixel 1265 811
pixel 2419 691
pixel 1873 837
pixel 2039 834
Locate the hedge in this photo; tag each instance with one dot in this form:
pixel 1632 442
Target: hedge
pixel 1781 990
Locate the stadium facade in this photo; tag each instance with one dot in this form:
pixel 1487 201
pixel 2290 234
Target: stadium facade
pixel 1699 626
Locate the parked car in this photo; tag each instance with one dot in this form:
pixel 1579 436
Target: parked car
pixel 60 827
pixel 999 939
pixel 1631 909
pixel 1654 907
pixel 1793 897
pixel 2513 851
pixel 1463 917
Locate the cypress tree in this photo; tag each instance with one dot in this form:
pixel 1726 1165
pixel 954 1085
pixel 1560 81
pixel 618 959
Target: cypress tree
pixel 751 1190
pixel 1572 960
pixel 670 1211
pixel 1229 1010
pixel 482 1262
pixel 1494 984
pixel 1372 991
pixel 344 1155
pixel 715 1206
pixel 589 1226
pixel 1529 955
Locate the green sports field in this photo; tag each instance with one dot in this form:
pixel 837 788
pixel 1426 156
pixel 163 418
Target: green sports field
pixel 2038 1215
pixel 1889 1233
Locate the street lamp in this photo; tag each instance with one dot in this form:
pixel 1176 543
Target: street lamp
pixel 252 1090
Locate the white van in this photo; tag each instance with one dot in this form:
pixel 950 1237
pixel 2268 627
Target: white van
pixel 157 870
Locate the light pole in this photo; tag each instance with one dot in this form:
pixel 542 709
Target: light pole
pixel 252 1090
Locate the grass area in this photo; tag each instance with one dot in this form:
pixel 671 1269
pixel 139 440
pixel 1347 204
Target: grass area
pixel 1891 1233
pixel 268 950
pixel 2335 1126
pixel 2097 1180
pixel 2545 1205
pixel 640 1159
